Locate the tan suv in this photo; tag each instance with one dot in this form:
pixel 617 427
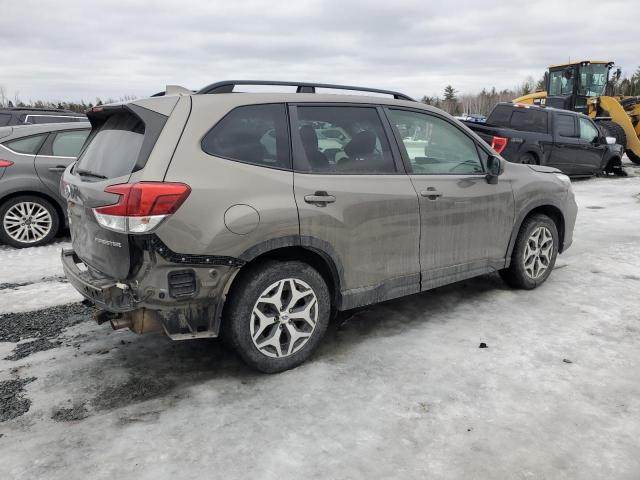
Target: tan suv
pixel 257 215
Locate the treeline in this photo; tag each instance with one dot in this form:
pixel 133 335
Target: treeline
pixel 79 107
pixel 452 101
pixel 481 103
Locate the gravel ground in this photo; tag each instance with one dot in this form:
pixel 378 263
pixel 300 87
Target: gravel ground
pixel 472 380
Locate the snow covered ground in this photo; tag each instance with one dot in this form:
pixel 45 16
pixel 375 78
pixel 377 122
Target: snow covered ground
pixel 399 390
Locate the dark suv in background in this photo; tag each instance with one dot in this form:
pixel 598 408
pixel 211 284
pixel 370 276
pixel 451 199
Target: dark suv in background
pixel 32 159
pixel 30 116
pixel 569 141
pixel 257 215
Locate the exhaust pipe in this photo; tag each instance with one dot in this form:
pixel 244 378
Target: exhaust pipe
pixel 139 321
pixel 120 323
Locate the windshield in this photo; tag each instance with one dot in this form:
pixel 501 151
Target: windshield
pixel 593 80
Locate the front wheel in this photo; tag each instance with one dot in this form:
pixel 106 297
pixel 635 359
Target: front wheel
pixel 276 314
pixel 28 221
pixel 534 253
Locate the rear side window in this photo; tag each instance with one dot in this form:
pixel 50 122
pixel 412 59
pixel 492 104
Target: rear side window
pixel 68 144
pixel 255 134
pixel 342 140
pixel 566 125
pixel 4 119
pixel 114 147
pixel 28 145
pixel 529 120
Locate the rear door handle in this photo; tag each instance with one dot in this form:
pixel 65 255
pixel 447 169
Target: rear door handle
pixel 431 193
pixel 59 168
pixel 319 199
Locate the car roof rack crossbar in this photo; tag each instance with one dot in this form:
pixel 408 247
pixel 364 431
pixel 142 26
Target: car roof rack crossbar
pixel 227 86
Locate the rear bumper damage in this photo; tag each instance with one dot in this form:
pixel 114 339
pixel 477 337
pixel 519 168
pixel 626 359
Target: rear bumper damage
pixel 184 300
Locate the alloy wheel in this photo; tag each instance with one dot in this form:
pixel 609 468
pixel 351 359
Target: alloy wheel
pixel 538 252
pixel 284 317
pixel 27 222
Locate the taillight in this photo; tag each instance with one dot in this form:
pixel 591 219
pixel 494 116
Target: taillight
pixel 141 206
pixel 5 163
pixel 499 143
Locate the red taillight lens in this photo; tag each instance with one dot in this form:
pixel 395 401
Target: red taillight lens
pixel 146 199
pixel 141 206
pixel 499 143
pixel 5 163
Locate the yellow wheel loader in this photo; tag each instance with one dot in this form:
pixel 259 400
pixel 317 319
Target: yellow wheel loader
pixel 582 87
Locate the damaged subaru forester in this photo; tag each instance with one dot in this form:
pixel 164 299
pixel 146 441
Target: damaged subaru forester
pixel 256 216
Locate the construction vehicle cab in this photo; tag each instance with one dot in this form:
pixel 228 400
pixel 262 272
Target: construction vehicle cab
pixel 583 87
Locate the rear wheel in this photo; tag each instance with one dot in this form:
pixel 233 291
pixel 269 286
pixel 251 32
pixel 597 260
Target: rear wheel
pixel 277 314
pixel 528 159
pixel 28 221
pixel 534 253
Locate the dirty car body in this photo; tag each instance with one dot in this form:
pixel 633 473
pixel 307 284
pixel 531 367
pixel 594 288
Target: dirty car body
pixel 179 200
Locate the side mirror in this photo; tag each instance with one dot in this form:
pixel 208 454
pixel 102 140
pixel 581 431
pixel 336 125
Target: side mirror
pixel 610 140
pixel 495 168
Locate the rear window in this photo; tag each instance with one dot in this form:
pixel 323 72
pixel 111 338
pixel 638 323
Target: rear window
pixel 27 145
pixel 114 147
pixel 500 116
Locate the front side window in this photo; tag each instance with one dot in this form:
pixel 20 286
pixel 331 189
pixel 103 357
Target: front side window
pixel 342 140
pixel 434 146
pixel 28 145
pixel 68 144
pixel 255 134
pixel 588 131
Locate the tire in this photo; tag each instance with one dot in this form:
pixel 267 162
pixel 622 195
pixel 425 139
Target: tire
pixel 633 157
pixel 246 316
pixel 528 159
pixel 42 221
pixel 613 129
pixel 518 275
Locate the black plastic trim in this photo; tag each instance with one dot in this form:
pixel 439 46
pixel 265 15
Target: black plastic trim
pixel 169 255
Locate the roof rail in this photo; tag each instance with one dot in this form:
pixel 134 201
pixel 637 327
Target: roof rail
pixel 227 86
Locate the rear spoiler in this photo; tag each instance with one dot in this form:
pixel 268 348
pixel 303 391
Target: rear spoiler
pixel 5 131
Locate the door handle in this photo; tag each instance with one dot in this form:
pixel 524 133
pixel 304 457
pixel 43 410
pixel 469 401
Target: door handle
pixel 431 193
pixel 319 199
pixel 59 168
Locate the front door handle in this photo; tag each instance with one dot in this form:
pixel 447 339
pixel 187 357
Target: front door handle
pixel 59 168
pixel 319 199
pixel 431 193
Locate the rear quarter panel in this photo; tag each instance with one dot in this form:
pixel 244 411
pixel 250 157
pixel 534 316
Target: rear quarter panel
pixel 259 199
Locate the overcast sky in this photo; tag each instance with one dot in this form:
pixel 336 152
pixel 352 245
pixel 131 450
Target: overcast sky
pixel 80 49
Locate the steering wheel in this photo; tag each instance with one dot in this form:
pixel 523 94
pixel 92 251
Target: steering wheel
pixel 465 163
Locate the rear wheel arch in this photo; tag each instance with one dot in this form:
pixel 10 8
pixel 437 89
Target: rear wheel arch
pixel 306 250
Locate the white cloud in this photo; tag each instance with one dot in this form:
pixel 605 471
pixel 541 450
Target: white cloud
pixel 78 49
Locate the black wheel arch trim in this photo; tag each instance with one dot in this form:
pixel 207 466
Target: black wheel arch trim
pixel 524 213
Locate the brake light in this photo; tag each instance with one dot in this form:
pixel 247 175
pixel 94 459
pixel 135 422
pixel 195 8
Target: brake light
pixel 499 143
pixel 5 163
pixel 141 206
